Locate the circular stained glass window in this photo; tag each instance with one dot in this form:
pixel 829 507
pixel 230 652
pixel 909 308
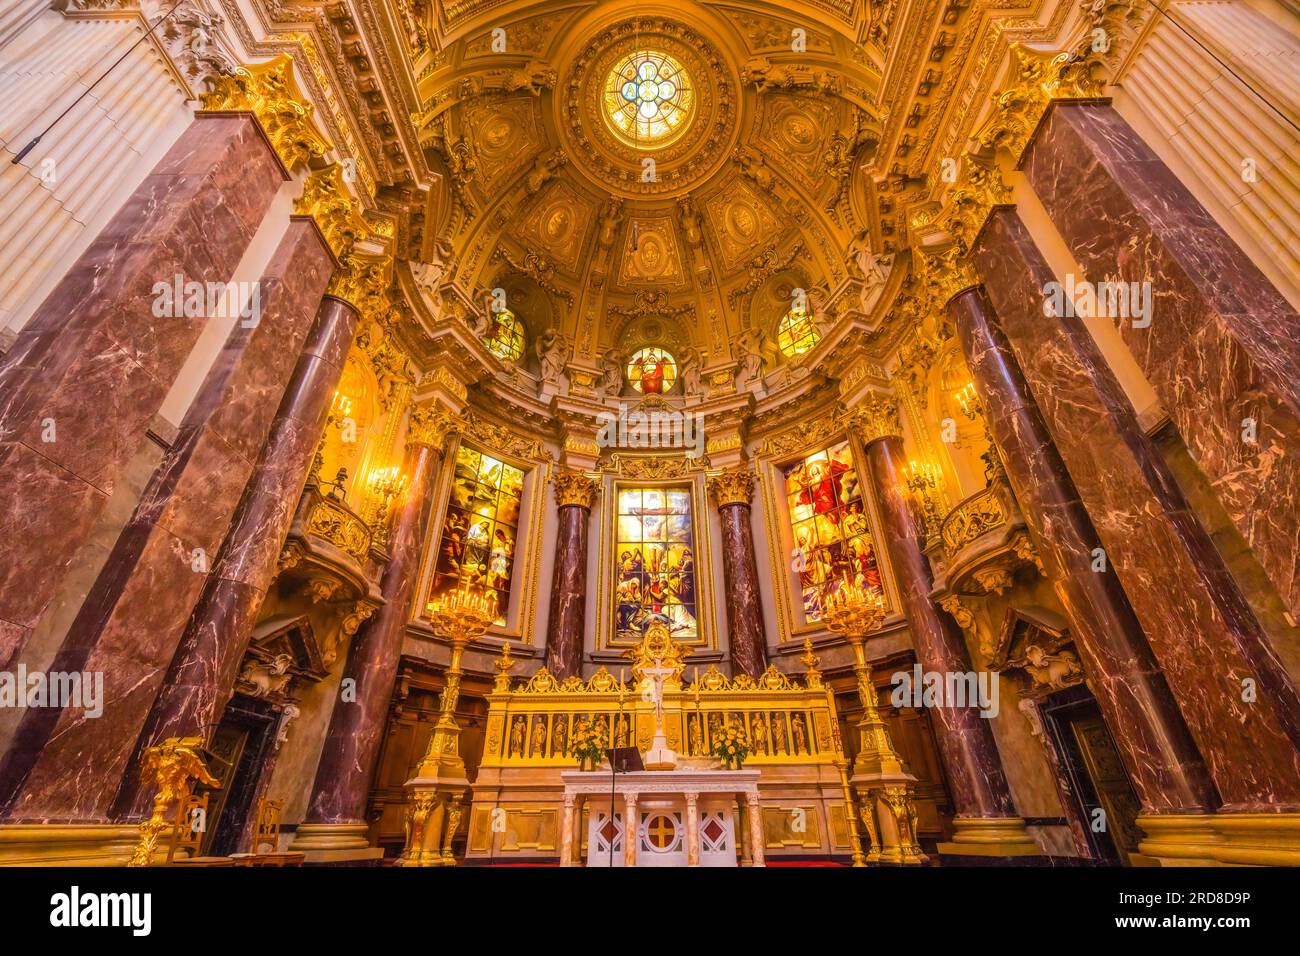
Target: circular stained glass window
pixel 505 338
pixel 797 333
pixel 652 371
pixel 648 99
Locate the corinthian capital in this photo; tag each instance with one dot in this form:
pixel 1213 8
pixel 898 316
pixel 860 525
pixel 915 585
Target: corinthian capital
pixel 874 417
pixel 430 424
pixel 575 488
pixel 732 487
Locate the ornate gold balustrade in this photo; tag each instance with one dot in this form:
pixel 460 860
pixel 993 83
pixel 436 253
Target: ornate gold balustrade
pixel 981 542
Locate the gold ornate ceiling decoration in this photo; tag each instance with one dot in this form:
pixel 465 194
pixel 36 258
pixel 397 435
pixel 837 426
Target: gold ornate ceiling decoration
pixel 684 156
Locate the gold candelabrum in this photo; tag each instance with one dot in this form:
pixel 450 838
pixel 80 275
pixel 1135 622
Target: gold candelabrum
pixel 972 407
pixel 438 787
pixel 382 487
pixel 885 788
pixel 923 480
pixel 340 409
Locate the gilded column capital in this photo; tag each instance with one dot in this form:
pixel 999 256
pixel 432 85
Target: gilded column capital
pixel 430 424
pixel 270 92
pixel 874 418
pixel 575 488
pixel 325 198
pixel 732 487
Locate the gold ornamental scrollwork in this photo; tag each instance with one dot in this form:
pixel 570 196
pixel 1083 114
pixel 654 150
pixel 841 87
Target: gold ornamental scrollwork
pixel 270 92
pixel 874 418
pixel 331 521
pixel 325 198
pixel 172 764
pixel 733 487
pixel 976 516
pixel 575 488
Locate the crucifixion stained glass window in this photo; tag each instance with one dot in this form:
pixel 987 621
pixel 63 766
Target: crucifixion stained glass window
pixel 655 578
pixel 481 527
pixel 832 540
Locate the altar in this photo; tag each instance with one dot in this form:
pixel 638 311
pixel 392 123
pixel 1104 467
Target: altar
pixel 687 817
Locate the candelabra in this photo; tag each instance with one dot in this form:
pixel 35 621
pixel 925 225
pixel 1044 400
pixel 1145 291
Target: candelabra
pixel 968 401
pixel 439 784
pixel 383 486
pixel 923 481
pixel 340 409
pixel 882 781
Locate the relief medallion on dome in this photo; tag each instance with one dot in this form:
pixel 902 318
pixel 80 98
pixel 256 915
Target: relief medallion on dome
pixel 742 223
pixel 558 224
pixel 798 129
pixel 656 258
pixel 505 134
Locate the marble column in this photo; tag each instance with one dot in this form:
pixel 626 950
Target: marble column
pixel 972 766
pixel 64 763
pixel 336 814
pixel 1221 349
pixel 1236 699
pixel 755 814
pixel 692 829
pixel 85 377
pixel 202 675
pixel 631 830
pixel 733 492
pixel 1161 759
pixel 566 830
pixel 574 495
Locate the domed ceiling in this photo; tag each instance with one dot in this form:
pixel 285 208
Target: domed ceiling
pixel 636 174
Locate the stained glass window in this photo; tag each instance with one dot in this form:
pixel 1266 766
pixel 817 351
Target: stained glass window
pixel 652 371
pixel 797 333
pixel 479 533
pixel 505 337
pixel 655 569
pixel 648 98
pixel 832 541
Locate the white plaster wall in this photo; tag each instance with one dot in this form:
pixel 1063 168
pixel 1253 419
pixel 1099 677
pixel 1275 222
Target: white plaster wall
pixel 100 151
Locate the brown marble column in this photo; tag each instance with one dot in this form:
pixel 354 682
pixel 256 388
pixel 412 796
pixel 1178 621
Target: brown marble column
pixel 202 675
pixel 1222 346
pixel 1237 701
pixel 733 492
pixel 64 764
pixel 972 766
pixel 1158 752
pixel 85 377
pixel 336 814
pixel 574 494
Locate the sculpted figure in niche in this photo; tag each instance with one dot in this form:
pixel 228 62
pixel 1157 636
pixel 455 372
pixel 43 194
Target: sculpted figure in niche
pixel 760 734
pixel 690 372
pixel 544 169
pixel 689 219
pixel 560 735
pixel 778 735
pixel 552 354
pixel 610 218
pixel 516 737
pixel 538 748
pixel 611 373
pixel 817 307
pixel 749 344
pixel 800 735
pixel 697 737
